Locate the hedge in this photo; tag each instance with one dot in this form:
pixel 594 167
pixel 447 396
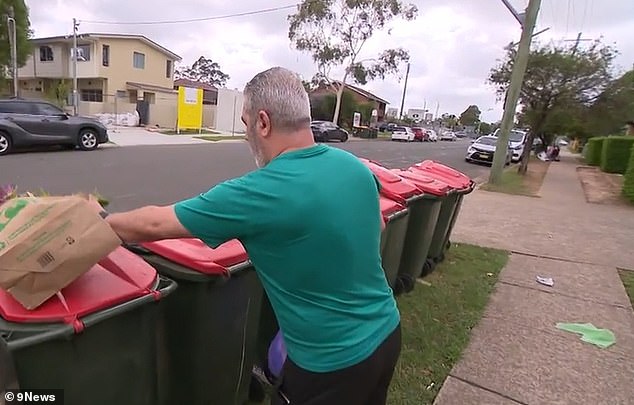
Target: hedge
pixel 594 150
pixel 615 154
pixel 628 183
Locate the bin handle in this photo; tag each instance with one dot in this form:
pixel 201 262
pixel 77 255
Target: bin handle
pixel 127 306
pixel 414 198
pixel 396 215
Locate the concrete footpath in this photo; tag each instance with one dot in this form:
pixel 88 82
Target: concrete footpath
pixel 516 355
pixel 135 136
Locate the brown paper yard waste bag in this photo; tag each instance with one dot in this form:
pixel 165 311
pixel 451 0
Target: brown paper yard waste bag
pixel 48 242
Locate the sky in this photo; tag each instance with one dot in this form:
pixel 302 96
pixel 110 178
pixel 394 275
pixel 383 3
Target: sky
pixel 453 44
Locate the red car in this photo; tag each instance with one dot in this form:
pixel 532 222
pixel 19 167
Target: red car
pixel 419 134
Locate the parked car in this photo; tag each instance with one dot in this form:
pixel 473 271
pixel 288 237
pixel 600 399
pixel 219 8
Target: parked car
pixel 326 131
pixel 386 127
pixel 448 136
pixel 29 123
pixel 431 135
pixel 403 134
pixel 483 149
pixel 461 134
pixel 517 141
pixel 419 134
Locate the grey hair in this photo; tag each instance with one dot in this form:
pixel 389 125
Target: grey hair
pixel 282 95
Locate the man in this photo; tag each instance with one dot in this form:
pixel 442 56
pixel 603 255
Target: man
pixel 309 219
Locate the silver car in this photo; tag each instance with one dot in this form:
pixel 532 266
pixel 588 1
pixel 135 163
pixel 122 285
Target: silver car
pixel 483 149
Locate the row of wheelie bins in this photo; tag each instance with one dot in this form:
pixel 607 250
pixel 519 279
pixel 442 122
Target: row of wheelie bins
pixel 170 322
pixel 177 322
pixel 430 196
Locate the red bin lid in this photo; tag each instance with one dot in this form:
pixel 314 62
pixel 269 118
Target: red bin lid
pixel 424 182
pixel 121 276
pixel 392 186
pixel 196 255
pixel 451 176
pixel 389 207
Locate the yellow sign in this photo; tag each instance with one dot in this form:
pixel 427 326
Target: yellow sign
pixel 190 108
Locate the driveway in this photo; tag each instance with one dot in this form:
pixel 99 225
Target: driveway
pixel 135 136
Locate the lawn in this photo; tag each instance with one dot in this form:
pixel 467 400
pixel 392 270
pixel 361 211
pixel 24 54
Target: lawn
pixel 627 277
pixel 514 183
pixel 437 320
pixel 215 138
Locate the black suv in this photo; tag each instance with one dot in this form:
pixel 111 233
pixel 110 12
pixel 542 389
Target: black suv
pixel 26 123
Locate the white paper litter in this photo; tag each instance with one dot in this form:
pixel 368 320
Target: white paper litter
pixel 547 281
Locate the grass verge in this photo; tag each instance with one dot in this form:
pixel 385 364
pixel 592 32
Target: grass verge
pixel 514 183
pixel 189 132
pixel 627 277
pixel 216 138
pixel 437 320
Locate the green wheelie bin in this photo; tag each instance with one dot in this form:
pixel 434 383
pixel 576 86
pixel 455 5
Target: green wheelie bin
pixel 96 339
pixel 210 324
pixel 422 227
pixel 461 185
pixel 396 221
pixel 407 194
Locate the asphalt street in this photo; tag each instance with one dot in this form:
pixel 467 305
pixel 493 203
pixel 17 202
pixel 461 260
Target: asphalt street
pixel 133 176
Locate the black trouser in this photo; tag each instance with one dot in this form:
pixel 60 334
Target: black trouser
pixel 365 383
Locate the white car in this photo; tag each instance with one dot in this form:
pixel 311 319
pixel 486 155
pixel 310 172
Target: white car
pixel 431 135
pixel 448 136
pixel 403 134
pixel 517 140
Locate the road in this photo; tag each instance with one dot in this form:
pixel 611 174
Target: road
pixel 137 175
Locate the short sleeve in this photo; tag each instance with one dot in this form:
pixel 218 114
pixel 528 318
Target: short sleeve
pixel 219 215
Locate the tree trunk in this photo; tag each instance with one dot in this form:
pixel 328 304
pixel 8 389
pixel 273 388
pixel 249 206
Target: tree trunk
pixel 335 118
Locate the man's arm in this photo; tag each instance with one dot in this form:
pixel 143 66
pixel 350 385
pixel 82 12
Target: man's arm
pixel 147 224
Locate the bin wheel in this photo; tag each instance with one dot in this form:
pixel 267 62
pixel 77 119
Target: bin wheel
pixel 448 245
pixel 404 284
pixel 428 267
pixel 256 391
pixel 441 258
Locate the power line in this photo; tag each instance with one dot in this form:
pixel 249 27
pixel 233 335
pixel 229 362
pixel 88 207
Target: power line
pixel 190 20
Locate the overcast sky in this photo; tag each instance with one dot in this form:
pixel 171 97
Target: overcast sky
pixel 453 43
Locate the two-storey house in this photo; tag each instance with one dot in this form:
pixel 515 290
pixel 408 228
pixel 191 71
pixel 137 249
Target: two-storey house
pixel 116 74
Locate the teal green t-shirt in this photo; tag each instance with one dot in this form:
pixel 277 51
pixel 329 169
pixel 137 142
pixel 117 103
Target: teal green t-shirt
pixel 310 222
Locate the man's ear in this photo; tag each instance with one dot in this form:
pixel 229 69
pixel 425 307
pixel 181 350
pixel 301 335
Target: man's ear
pixel 264 123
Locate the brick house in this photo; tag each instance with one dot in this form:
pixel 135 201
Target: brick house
pixel 360 96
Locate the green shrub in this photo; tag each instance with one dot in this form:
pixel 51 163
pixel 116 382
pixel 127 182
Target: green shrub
pixel 615 155
pixel 593 151
pixel 628 184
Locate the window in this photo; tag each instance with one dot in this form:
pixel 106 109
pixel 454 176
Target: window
pixel 168 69
pixel 92 95
pixel 105 55
pixel 46 54
pixel 13 107
pixel 122 93
pixel 83 53
pixel 47 109
pixel 138 60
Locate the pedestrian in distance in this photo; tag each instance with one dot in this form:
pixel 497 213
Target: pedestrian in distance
pixel 310 221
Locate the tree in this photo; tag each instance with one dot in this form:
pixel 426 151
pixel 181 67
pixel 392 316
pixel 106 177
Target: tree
pixel 449 120
pixel 470 116
pixel 204 71
pixel 334 32
pixel 558 78
pixel 20 13
pixel 322 108
pixel 613 108
pixel 484 128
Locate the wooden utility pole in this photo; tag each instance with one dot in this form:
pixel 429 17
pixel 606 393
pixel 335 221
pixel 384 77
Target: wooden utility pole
pixel 512 95
pixel 404 91
pixel 74 54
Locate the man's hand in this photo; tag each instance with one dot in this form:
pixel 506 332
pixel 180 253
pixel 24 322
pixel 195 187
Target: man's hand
pixel 148 224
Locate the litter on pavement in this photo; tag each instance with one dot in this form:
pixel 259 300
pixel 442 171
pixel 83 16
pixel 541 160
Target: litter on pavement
pixel 603 338
pixel 547 281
